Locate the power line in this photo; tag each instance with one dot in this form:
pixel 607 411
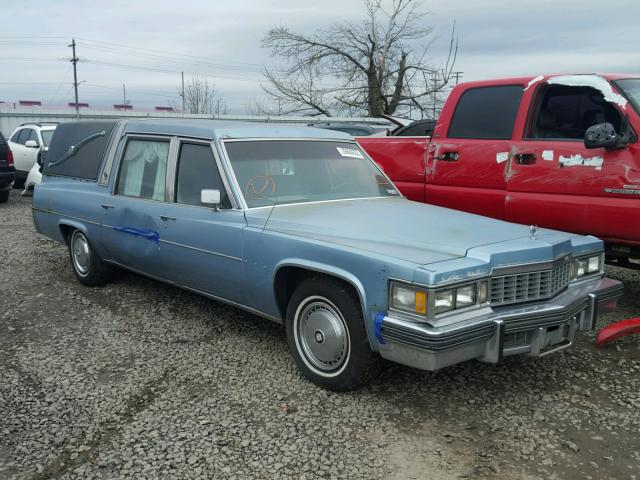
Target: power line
pixel 166 70
pixel 165 54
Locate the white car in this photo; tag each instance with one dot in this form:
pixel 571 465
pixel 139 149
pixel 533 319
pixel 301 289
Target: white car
pixel 28 142
pixel 33 178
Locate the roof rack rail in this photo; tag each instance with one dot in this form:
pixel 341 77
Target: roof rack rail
pixel 38 124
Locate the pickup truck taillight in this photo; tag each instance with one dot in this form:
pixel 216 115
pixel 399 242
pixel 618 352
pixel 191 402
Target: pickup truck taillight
pixel 10 158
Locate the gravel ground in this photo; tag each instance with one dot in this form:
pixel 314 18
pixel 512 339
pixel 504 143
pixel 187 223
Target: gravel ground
pixel 141 380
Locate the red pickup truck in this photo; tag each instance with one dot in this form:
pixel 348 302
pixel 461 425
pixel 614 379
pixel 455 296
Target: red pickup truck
pixel 558 151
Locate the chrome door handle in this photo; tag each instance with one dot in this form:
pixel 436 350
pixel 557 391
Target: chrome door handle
pixel 105 206
pixel 164 218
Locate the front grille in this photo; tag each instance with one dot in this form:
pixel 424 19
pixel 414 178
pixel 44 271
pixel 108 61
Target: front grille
pixel 529 286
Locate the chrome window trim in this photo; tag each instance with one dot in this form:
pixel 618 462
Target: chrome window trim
pixel 320 201
pixel 172 168
pixel 243 202
pixel 121 151
pixel 181 135
pixel 172 174
pixel 116 138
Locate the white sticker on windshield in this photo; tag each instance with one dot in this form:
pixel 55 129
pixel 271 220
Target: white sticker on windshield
pixel 350 152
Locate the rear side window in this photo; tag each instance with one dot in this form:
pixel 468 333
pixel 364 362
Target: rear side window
pixel 32 136
pixel 21 136
pixel 486 113
pixel 197 170
pixel 77 149
pixel 143 169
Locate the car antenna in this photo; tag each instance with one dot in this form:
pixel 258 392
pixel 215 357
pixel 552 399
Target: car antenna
pixel 270 212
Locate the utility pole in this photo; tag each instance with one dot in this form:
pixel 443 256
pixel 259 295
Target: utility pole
pixel 74 60
pixel 182 92
pixel 458 76
pixel 124 94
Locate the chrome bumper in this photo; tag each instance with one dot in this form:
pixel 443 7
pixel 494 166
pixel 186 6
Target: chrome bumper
pixel 535 329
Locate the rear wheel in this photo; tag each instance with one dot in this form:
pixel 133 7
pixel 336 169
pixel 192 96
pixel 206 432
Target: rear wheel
pixel 88 267
pixel 4 196
pixel 327 337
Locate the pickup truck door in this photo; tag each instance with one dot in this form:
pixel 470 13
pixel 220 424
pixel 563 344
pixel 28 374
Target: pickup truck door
pixel 402 159
pixel 202 247
pixel 555 182
pixel 469 152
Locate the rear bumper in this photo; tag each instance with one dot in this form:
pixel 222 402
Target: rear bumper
pixel 535 329
pixel 6 179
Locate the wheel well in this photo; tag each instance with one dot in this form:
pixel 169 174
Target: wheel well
pixel 66 231
pixel 288 278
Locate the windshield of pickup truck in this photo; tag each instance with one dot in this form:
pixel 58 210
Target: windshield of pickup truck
pixel 299 171
pixel 631 89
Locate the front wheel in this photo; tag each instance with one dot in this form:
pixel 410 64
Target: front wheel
pixel 88 267
pixel 4 196
pixel 327 337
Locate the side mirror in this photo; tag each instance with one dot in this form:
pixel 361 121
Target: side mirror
pixel 604 135
pixel 210 198
pixel 31 144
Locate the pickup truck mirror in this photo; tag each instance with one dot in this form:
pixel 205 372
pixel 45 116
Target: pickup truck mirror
pixel 210 198
pixel 604 135
pixel 31 144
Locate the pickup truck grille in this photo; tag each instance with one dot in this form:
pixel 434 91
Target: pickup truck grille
pixel 529 286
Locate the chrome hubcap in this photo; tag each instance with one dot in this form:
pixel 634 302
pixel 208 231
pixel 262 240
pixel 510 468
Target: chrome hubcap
pixel 80 253
pixel 322 335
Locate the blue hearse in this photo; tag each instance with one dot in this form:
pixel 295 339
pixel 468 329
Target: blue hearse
pixel 299 226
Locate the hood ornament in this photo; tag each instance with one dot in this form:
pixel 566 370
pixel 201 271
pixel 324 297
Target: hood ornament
pixel 533 229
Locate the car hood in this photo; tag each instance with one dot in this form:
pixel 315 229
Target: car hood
pixel 389 227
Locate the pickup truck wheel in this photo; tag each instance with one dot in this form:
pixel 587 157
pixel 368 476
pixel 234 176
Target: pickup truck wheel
pixel 88 267
pixel 327 337
pixel 4 196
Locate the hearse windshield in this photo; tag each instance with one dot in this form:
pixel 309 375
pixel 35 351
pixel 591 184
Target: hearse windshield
pixel 297 171
pixel 631 89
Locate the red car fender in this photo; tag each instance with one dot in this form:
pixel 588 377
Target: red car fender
pixel 618 330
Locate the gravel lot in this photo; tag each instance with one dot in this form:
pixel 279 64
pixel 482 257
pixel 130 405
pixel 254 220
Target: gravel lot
pixel 142 380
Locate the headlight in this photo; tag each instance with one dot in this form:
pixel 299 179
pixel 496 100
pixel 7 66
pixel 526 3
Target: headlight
pixel 587 265
pixel 444 300
pixel 426 302
pixel 408 298
pixel 466 296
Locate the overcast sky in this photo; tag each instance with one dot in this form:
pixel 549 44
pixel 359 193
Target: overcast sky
pixel 222 38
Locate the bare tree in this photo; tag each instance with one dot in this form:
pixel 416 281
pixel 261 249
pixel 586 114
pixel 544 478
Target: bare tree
pixel 372 67
pixel 200 96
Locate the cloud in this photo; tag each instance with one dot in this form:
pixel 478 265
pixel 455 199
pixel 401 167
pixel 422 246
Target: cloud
pixel 497 38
